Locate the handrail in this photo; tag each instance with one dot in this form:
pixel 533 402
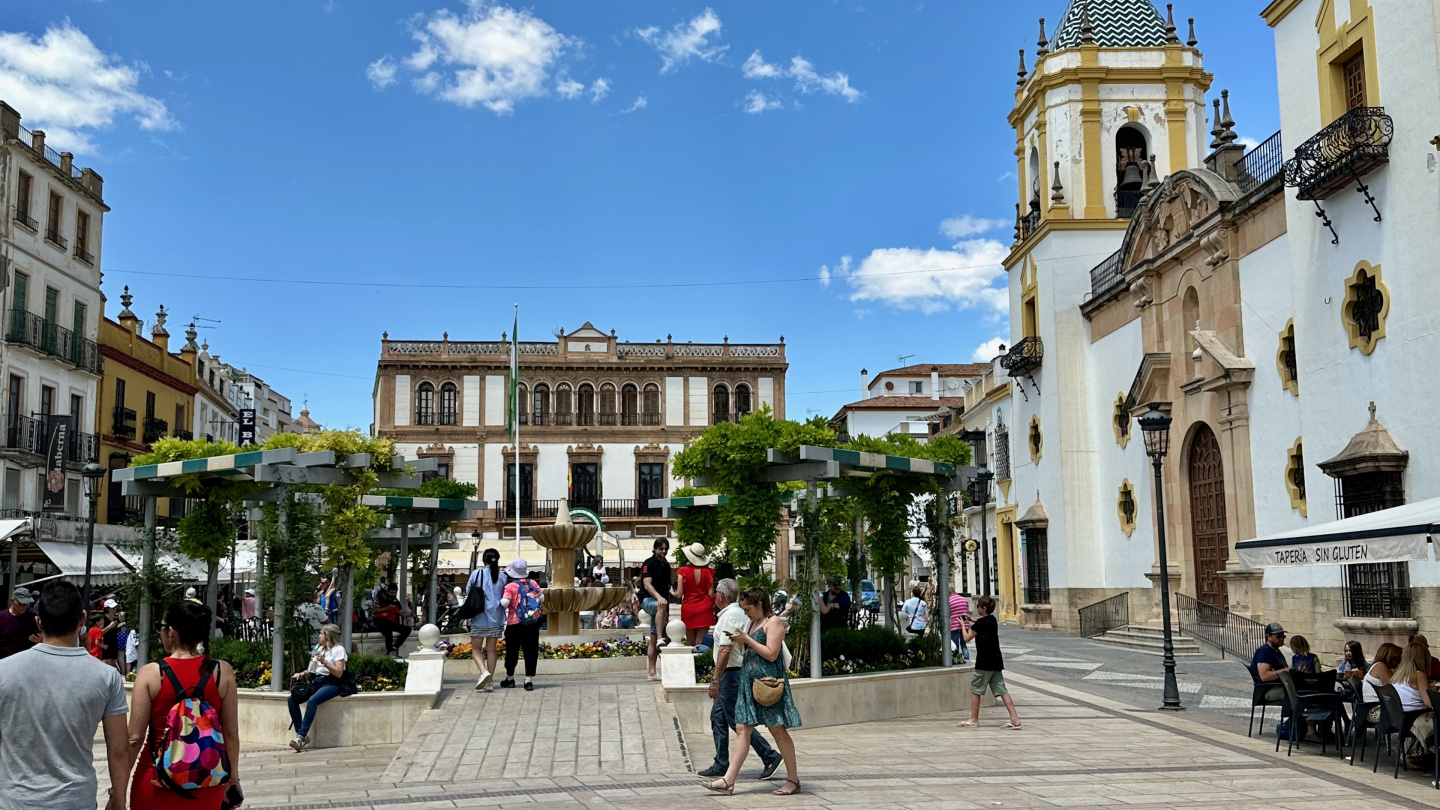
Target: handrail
pixel 1228 632
pixel 1341 153
pixel 1105 615
pixel 1261 164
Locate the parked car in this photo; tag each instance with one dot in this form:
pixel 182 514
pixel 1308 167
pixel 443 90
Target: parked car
pixel 869 597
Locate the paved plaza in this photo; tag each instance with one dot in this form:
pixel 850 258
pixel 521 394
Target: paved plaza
pixel 580 742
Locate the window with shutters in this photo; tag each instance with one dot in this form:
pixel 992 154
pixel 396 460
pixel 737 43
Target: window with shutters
pixel 629 404
pixel 650 405
pixel 449 397
pixel 742 400
pixel 1037 566
pixel 585 405
pixel 22 201
pixel 540 413
pixel 607 405
pixel 425 404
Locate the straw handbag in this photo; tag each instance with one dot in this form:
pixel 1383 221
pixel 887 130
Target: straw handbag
pixel 767 691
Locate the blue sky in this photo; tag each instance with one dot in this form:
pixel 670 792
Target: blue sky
pixel 589 151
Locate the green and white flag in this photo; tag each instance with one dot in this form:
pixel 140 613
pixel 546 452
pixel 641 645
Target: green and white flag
pixel 512 422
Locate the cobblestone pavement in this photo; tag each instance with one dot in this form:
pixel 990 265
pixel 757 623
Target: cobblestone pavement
pixel 1078 749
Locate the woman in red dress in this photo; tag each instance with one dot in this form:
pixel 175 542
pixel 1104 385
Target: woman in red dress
pixel 695 587
pixel 185 626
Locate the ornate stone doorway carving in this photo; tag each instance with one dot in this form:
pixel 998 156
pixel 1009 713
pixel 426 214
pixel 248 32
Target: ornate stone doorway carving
pixel 1207 517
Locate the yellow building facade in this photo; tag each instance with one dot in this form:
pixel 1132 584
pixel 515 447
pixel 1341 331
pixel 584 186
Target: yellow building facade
pixel 146 393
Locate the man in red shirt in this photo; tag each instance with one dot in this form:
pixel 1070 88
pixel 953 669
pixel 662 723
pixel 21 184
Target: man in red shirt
pixel 95 637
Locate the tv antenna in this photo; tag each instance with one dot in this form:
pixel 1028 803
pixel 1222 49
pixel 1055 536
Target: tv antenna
pixel 196 320
pixel 903 357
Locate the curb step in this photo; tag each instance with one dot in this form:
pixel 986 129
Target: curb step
pixel 1148 640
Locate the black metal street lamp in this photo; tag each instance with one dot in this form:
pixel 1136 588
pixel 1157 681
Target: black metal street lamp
pixel 1156 426
pixel 983 477
pixel 92 473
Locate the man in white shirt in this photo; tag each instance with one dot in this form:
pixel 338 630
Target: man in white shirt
pixel 725 685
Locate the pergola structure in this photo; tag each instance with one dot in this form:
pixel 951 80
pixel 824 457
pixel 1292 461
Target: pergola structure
pixel 815 465
pixel 404 511
pixel 278 470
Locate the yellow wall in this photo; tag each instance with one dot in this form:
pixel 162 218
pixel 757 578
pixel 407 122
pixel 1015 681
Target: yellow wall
pixel 146 367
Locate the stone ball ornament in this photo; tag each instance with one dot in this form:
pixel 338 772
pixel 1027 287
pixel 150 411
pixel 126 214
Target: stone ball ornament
pixel 675 631
pixel 429 636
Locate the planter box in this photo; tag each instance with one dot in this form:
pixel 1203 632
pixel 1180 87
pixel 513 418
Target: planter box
pixel 465 668
pixel 850 698
pixel 583 637
pixel 369 718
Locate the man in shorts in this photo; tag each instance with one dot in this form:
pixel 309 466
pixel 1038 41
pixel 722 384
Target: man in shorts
pixel 989 665
pixel 654 596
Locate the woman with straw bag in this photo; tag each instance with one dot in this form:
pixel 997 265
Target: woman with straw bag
pixel 764 698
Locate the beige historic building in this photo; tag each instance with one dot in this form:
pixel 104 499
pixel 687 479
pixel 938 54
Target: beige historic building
pixel 600 420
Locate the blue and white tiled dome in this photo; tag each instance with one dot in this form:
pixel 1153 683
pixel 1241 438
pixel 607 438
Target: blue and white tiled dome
pixel 1114 23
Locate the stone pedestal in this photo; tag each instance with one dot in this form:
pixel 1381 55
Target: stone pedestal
pixel 677 666
pixel 426 672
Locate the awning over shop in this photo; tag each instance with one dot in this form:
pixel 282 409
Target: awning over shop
pixel 13 526
pixel 1390 535
pixel 70 559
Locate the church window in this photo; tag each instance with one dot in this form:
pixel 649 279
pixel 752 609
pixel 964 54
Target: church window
pixel 448 398
pixel 425 404
pixel 1367 302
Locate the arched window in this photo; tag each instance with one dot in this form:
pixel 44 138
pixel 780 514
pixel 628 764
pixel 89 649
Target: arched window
pixel 448 401
pixel 564 411
pixel 541 411
pixel 1130 155
pixel 607 404
pixel 720 402
pixel 425 404
pixel 585 405
pixel 742 400
pixel 522 406
pixel 650 405
pixel 629 404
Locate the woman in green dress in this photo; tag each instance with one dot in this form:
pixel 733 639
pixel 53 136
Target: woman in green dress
pixel 763 645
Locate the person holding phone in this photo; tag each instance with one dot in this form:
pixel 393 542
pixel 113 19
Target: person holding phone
pixel 327 663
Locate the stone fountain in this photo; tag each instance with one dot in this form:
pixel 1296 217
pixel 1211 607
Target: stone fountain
pixel 563 602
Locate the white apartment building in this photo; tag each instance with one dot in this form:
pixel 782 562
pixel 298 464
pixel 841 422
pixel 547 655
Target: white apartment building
pixel 903 400
pixel 50 248
pixel 216 411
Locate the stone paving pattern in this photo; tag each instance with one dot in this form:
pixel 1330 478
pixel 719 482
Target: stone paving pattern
pixel 582 742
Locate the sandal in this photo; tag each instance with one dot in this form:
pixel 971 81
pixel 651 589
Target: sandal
pixel 781 791
pixel 728 788
pixel 969 724
pixel 1012 726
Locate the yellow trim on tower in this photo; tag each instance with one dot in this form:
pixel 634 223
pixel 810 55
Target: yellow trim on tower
pixel 1337 45
pixel 1127 523
pixel 1279 10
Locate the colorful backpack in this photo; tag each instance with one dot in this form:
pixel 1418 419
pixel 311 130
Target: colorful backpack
pixel 527 609
pixel 190 752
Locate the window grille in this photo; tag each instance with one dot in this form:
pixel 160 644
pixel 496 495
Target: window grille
pixel 1373 590
pixel 1037 566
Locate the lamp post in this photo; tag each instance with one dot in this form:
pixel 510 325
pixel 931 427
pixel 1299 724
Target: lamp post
pixel 92 473
pixel 1156 426
pixel 983 477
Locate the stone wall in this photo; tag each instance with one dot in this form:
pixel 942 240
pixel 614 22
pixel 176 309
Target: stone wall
pixel 1065 604
pixel 1315 612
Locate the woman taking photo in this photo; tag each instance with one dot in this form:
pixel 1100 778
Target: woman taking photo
pixel 489 625
pixel 183 674
pixel 695 587
pixel 327 668
pixel 763 644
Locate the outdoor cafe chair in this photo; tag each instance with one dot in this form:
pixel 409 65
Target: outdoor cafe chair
pixel 1393 720
pixel 1264 696
pixel 1360 726
pixel 1306 708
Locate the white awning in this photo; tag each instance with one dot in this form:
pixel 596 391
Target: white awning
pixel 13 526
pixel 70 559
pixel 1390 535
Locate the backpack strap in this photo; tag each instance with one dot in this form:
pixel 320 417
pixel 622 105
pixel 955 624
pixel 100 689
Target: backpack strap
pixel 207 670
pixel 169 674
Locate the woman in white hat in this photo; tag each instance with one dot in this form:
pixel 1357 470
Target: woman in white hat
pixel 522 599
pixel 695 586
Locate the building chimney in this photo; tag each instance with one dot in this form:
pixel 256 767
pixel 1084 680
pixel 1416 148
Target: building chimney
pixel 67 159
pixel 864 383
pixel 9 120
pixel 935 382
pixel 37 141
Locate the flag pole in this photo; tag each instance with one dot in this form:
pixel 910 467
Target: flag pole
pixel 515 411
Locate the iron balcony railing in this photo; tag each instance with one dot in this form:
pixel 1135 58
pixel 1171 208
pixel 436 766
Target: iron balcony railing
pixel 1261 164
pixel 585 418
pixel 56 239
pixel 22 216
pixel 1024 357
pixel 84 255
pixel 1105 615
pixel 607 508
pixel 650 419
pixel 185 434
pixel 155 429
pixel 1357 143
pixel 447 417
pixel 1228 632
pixel 123 426
pixel 563 419
pixel 424 416
pixel 1029 223
pixel 609 419
pixel 630 418
pixel 34 331
pixel 31 434
pixel 1107 276
pixel 84 448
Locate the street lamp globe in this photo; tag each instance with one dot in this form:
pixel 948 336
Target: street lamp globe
pixel 1156 426
pixel 92 473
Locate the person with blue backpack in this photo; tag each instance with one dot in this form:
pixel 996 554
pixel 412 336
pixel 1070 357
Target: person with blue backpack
pixel 184 724
pixel 522 600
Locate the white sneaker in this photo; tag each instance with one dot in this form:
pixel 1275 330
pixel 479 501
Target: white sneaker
pixel 484 680
pixel 489 687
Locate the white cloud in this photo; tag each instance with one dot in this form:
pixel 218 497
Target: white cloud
pixel 686 41
pixel 807 78
pixel 987 351
pixel 491 55
pixel 966 225
pixel 757 102
pixel 61 82
pixel 929 280
pixel 381 72
pixel 640 104
pixel 1248 143
pixel 599 89
pixel 569 88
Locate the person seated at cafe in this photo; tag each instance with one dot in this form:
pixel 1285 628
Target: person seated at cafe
pixel 1302 660
pixel 1387 658
pixel 1412 682
pixel 1268 661
pixel 1434 660
pixel 1353 661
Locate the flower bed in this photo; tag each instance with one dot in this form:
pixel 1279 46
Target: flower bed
pixel 608 648
pixel 251 661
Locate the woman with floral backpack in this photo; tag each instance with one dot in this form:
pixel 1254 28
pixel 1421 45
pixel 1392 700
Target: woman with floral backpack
pixel 522 599
pixel 184 723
